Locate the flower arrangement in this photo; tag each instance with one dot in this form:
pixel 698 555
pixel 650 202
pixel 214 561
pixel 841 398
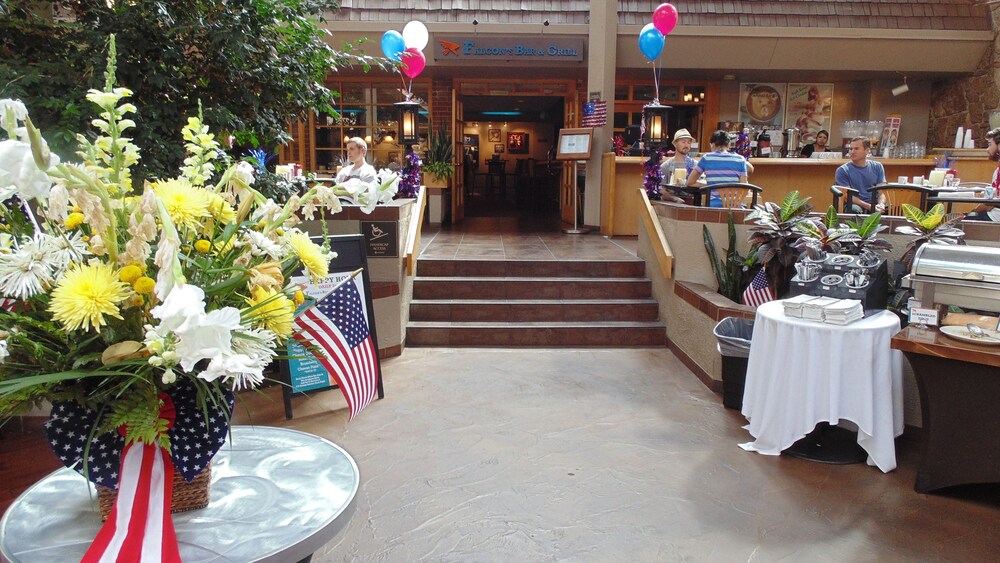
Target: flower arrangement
pixel 409 184
pixel 115 294
pixel 653 177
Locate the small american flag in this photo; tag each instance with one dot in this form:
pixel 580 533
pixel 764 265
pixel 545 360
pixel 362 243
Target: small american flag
pixel 758 292
pixel 595 114
pixel 337 326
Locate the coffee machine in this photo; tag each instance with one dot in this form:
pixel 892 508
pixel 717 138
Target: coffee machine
pixel 790 146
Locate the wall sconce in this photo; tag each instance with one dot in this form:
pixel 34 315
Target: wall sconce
pixel 346 138
pixel 902 88
pixel 408 123
pixel 654 117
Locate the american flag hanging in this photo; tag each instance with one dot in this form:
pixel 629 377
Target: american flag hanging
pixel 758 292
pixel 337 326
pixel 595 114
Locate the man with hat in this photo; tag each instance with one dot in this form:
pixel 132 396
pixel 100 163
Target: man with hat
pixel 679 161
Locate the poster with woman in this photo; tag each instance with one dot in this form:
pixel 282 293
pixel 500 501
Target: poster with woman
pixel 761 105
pixel 809 109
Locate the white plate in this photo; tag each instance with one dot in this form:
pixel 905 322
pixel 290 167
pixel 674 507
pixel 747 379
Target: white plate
pixel 962 333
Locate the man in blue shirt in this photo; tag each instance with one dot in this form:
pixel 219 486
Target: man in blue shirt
pixel 860 173
pixel 719 167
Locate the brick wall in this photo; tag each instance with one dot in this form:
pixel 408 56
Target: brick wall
pixel 441 105
pixel 967 102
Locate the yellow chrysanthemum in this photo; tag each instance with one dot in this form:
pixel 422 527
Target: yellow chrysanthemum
pixel 273 310
pixel 74 220
pixel 187 204
pixel 203 246
pixel 130 273
pixel 144 285
pixel 299 297
pixel 310 254
pixel 85 295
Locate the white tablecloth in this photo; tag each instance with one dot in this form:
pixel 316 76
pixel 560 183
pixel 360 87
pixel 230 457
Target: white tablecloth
pixel 805 372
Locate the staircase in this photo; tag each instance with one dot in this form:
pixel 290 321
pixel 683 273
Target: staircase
pixel 533 303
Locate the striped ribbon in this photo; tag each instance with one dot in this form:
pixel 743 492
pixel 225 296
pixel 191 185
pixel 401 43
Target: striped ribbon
pixel 139 527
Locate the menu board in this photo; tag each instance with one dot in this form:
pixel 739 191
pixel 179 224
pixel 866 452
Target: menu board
pixel 574 143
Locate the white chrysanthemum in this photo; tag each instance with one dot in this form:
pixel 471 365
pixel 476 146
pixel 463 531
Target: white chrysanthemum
pixel 19 175
pixel 252 351
pixel 65 250
pixel 26 271
pixel 260 245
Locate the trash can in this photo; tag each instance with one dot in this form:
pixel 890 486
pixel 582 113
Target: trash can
pixel 733 335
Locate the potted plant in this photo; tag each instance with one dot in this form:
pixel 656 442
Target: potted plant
pixel 438 166
pixel 774 237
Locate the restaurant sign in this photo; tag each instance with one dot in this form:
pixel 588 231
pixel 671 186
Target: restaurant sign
pixel 509 48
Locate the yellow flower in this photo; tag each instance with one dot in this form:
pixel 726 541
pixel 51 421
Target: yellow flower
pixel 187 204
pixel 220 209
pixel 311 255
pixel 272 310
pixel 144 285
pixel 74 220
pixel 267 275
pixel 85 295
pixel 299 297
pixel 203 246
pixel 130 273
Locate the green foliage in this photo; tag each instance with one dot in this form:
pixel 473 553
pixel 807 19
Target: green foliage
pixel 256 65
pixel 728 272
pixel 438 158
pixel 933 226
pixel 829 235
pixel 774 237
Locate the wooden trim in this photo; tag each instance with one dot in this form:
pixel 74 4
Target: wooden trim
pixel 390 352
pixel 608 177
pixel 413 235
pixel 661 248
pixel 702 375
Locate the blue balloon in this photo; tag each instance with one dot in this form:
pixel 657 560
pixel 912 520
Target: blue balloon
pixel 650 41
pixel 393 45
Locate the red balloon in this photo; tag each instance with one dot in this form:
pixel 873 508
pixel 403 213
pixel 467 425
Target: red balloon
pixel 665 18
pixel 413 62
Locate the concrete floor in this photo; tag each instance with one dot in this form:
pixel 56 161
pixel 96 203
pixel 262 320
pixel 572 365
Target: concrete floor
pixel 606 455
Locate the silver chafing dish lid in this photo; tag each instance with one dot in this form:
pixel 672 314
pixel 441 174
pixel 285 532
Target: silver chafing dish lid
pixel 969 263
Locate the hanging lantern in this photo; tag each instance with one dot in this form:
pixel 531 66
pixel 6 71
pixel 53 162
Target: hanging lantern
pixel 654 117
pixel 408 134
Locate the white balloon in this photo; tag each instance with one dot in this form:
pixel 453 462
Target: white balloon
pixel 415 35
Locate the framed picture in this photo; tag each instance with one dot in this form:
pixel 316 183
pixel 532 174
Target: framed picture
pixel 809 108
pixel 762 105
pixel 498 148
pixel 517 143
pixel 494 136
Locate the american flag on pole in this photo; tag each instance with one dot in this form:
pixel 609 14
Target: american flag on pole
pixel 758 292
pixel 336 326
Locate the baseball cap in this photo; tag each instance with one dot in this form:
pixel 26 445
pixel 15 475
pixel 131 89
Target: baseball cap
pixel 682 134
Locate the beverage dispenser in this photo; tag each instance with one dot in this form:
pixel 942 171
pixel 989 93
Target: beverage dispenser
pixel 790 148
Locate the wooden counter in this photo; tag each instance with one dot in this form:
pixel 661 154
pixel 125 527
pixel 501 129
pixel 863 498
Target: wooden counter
pixel 812 177
pixel 959 385
pixel 621 178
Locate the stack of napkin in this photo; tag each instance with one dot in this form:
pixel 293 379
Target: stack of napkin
pixel 824 309
pixel 844 311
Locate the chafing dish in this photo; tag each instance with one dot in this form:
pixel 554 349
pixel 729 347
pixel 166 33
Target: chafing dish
pixel 963 276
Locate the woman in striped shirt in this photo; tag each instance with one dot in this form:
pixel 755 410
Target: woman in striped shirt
pixel 719 167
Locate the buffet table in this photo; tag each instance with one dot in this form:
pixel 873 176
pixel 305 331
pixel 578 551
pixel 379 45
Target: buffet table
pixel 801 373
pixel 277 495
pixel 959 385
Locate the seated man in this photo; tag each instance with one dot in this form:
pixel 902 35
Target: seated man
pixel 860 173
pixel 681 160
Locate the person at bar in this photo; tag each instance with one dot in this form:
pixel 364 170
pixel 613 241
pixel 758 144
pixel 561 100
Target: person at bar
pixel 357 148
pixel 819 145
pixel 990 212
pixel 681 160
pixel 719 167
pixel 861 174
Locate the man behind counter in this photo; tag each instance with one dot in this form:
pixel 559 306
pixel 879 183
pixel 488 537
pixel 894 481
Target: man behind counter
pixel 358 168
pixel 860 173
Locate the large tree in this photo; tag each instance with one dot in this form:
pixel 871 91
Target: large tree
pixel 254 65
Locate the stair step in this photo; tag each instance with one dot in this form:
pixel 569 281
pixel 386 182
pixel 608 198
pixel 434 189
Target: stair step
pixel 529 310
pixel 530 288
pixel 530 268
pixel 611 334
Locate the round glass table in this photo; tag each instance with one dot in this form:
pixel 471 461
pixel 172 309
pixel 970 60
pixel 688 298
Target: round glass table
pixel 277 495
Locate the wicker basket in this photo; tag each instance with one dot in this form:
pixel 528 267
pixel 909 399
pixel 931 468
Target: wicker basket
pixel 187 496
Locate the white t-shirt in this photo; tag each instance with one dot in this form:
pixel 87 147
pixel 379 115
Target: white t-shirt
pixel 365 173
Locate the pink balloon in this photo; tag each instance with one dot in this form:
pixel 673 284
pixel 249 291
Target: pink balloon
pixel 413 62
pixel 665 18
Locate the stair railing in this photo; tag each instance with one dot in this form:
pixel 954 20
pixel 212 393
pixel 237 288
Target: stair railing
pixel 413 233
pixel 653 230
